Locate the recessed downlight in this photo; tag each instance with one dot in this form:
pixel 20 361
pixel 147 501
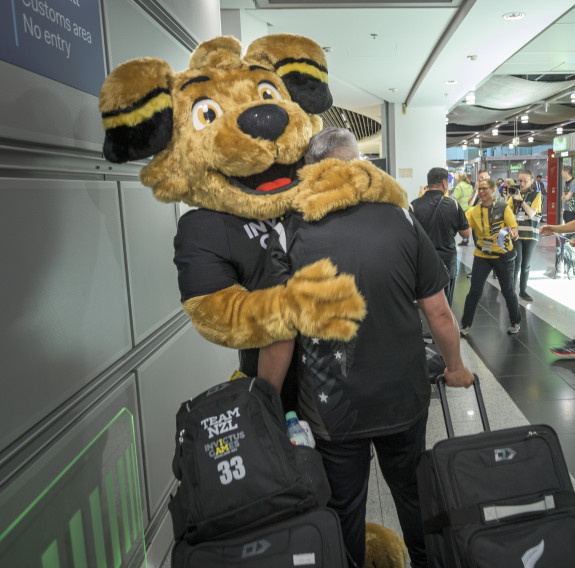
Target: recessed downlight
pixel 451 82
pixel 511 16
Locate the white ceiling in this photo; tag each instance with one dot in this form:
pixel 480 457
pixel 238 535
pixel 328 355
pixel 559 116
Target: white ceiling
pixel 365 71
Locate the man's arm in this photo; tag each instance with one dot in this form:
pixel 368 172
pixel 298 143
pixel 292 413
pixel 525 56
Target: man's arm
pixel 274 362
pixel 445 332
pixel 465 233
pixel 548 230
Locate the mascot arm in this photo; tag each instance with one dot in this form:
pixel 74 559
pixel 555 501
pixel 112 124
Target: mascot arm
pixel 315 301
pixel 332 185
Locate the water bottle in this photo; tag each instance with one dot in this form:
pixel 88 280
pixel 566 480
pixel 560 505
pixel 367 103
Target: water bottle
pixel 295 432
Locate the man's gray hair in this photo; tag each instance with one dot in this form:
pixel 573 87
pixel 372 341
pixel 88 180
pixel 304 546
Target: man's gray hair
pixel 332 142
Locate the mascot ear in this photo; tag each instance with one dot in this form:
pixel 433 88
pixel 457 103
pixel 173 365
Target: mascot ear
pixel 222 52
pixel 136 108
pixel 301 64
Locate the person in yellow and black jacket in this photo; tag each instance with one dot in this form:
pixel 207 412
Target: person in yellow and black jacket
pixel 526 205
pixel 495 226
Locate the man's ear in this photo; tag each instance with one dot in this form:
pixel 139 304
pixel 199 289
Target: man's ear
pixel 136 107
pixel 300 63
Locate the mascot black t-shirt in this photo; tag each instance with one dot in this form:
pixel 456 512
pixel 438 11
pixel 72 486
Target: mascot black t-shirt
pixel 214 251
pixel 376 384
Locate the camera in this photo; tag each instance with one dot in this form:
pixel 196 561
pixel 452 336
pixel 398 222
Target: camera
pixel 513 190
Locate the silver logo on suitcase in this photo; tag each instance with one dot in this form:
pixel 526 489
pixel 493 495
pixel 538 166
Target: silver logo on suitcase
pixel 504 454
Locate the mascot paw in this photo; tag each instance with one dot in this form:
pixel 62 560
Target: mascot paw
pixel 329 185
pixel 332 185
pixel 325 304
pixel 384 548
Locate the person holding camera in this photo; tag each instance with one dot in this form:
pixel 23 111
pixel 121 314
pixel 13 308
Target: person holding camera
pixel 526 204
pixel 495 225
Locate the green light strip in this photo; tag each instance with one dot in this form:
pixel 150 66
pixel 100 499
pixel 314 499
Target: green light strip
pixel 113 518
pixel 132 496
pixel 98 529
pixel 137 486
pixel 78 542
pixel 63 472
pixel 50 558
pixel 124 502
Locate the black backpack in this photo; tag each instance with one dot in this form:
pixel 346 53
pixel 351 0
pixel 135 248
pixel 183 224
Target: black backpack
pixel 236 466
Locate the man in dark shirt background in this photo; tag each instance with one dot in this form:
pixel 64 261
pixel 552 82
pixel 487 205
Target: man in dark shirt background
pixel 441 218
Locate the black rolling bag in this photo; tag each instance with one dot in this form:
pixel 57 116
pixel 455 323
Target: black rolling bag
pixel 497 499
pixel 312 539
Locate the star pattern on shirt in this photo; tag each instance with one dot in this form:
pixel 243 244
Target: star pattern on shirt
pixel 323 397
pixel 315 340
pixel 338 355
pixel 303 358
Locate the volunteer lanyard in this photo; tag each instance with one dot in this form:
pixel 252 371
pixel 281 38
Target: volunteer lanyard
pixel 489 218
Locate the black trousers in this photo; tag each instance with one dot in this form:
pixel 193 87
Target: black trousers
pixel 525 249
pixel 504 270
pixel 347 465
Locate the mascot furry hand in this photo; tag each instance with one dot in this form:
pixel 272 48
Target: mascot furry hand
pixel 227 135
pixel 384 548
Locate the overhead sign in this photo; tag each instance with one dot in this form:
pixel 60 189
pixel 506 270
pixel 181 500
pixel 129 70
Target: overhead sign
pixel 559 143
pixel 58 39
pixel 514 167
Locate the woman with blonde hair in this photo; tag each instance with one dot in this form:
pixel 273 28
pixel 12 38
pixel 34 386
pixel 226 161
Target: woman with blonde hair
pixel 495 227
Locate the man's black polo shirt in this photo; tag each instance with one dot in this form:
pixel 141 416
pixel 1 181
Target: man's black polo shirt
pixel 441 225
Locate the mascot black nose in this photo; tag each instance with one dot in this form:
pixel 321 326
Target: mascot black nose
pixel 264 121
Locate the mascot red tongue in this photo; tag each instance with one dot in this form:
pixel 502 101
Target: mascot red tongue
pixel 227 136
pixel 269 185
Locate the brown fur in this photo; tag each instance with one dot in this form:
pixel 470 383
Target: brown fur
pixel 209 167
pixel 331 185
pixel 384 548
pixel 311 302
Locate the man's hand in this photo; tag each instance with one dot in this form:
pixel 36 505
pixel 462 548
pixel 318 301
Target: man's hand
pixel 514 233
pixel 461 377
pixel 546 230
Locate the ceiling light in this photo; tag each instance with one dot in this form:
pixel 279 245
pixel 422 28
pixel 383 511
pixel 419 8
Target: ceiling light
pixel 470 98
pixel 495 132
pixel 451 82
pixel 524 118
pixel 510 145
pixel 573 97
pixel 560 130
pixel 510 16
pixel 464 147
pixel 476 140
pixel 530 139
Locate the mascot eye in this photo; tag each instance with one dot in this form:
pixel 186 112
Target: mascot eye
pixel 204 112
pixel 268 92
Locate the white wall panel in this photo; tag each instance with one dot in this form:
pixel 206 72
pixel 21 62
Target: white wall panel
pixel 63 294
pixel 150 227
pixel 133 33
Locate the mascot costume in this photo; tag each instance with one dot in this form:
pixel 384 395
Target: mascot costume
pixel 227 137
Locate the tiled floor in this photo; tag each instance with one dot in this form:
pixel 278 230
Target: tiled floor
pixel 521 380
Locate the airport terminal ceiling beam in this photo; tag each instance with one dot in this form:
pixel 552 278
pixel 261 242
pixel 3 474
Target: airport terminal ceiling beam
pixel 460 15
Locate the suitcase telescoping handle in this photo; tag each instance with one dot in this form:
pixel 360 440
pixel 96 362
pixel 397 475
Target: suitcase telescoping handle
pixel 447 415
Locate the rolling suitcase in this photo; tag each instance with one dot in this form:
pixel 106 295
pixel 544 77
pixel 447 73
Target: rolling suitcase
pixel 312 539
pixel 497 499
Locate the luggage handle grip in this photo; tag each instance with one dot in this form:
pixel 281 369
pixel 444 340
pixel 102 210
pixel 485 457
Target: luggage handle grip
pixel 447 415
pixel 496 513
